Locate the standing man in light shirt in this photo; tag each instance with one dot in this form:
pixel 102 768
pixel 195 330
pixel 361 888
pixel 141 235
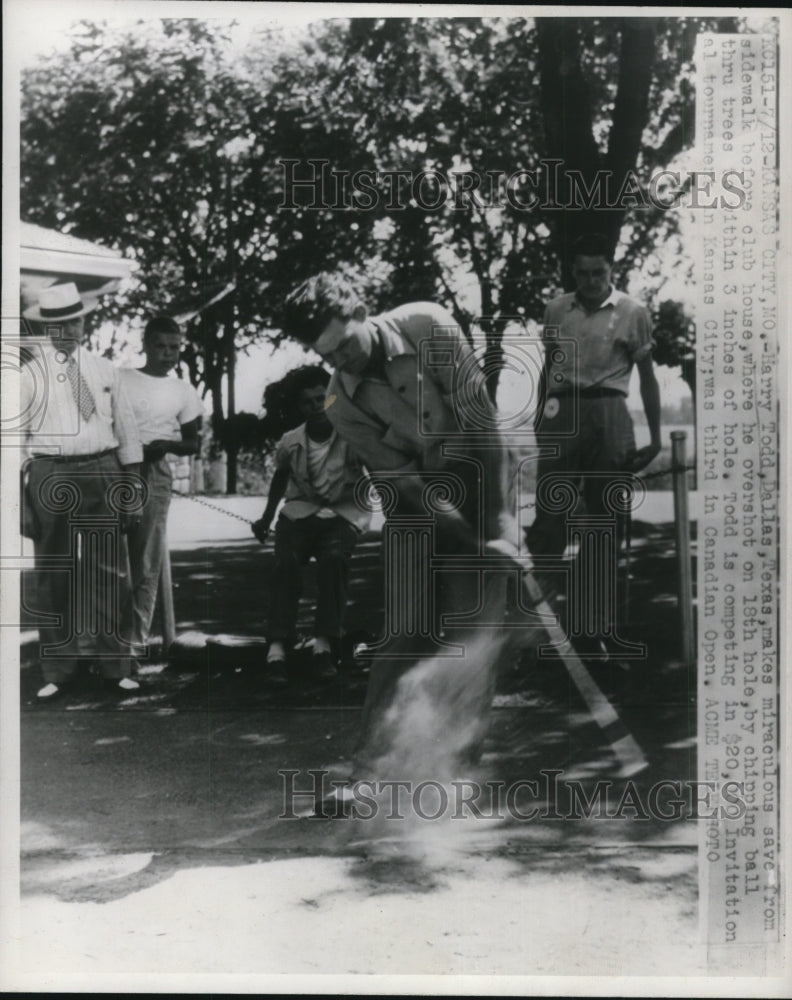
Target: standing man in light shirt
pixel 168 413
pixel 612 333
pixel 316 472
pixel 80 435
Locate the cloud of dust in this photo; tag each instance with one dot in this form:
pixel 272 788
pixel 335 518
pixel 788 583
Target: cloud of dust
pixel 433 732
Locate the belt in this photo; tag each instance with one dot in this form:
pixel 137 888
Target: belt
pixel 589 392
pixel 75 459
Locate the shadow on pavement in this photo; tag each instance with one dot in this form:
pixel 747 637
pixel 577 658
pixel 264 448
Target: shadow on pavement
pixel 118 794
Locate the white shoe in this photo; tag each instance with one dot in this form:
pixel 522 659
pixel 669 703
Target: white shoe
pixel 276 653
pixel 320 644
pixel 127 684
pixel 47 692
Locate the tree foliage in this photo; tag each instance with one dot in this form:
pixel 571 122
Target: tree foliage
pixel 167 142
pixel 675 339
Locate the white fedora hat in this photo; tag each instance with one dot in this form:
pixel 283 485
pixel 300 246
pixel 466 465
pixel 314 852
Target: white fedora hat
pixel 59 302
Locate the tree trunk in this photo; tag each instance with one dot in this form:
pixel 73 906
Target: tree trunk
pixel 493 339
pixel 569 136
pixel 231 446
pixel 229 337
pixel 216 394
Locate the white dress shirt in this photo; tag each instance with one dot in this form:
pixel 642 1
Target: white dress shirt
pixel 53 425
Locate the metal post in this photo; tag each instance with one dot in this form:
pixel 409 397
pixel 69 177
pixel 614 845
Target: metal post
pixel 627 567
pixel 166 597
pixel 682 528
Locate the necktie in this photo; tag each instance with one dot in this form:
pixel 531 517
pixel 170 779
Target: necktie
pixel 83 396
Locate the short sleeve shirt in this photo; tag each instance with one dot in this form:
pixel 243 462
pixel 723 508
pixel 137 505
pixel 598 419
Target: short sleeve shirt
pixel 401 421
pixel 330 488
pixel 160 405
pixel 606 342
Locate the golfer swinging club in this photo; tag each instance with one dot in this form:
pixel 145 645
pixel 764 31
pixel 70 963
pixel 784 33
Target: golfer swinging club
pixel 396 413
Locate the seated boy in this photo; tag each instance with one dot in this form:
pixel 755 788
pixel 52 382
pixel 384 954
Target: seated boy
pixel 316 473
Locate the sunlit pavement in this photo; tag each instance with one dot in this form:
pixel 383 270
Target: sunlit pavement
pixel 152 842
pixel 153 834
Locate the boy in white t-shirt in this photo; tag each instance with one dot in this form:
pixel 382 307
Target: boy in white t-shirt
pixel 168 412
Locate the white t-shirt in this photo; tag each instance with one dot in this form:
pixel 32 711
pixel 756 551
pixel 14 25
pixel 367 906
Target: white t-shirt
pixel 160 405
pixel 317 470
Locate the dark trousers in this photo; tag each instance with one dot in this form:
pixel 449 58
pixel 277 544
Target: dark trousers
pixel 447 698
pixel 82 579
pixel 455 693
pixel 590 454
pixel 330 541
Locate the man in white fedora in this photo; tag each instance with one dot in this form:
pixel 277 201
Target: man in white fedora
pixel 81 492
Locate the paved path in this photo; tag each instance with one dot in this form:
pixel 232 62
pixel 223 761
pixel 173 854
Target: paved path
pixel 152 842
pixel 152 839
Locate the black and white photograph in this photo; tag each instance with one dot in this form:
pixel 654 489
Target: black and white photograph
pixel 393 526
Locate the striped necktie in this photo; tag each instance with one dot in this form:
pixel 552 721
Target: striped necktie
pixel 83 396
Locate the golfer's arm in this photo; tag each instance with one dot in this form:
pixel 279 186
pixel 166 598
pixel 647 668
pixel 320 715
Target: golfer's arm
pixel 495 473
pixel 398 470
pixel 493 458
pixel 411 487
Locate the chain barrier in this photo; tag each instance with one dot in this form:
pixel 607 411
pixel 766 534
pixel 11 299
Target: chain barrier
pixel 652 475
pixel 220 510
pixel 246 520
pixel 667 472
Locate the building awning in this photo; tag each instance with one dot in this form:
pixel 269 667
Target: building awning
pixel 48 257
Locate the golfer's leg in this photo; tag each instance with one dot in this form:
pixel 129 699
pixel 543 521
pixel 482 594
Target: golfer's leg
pixel 388 666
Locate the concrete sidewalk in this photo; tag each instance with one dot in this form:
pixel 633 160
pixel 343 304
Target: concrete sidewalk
pixel 216 520
pixel 152 843
pixel 152 840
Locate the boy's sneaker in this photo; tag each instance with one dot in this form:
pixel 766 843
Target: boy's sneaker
pixel 119 686
pixel 275 668
pixel 49 692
